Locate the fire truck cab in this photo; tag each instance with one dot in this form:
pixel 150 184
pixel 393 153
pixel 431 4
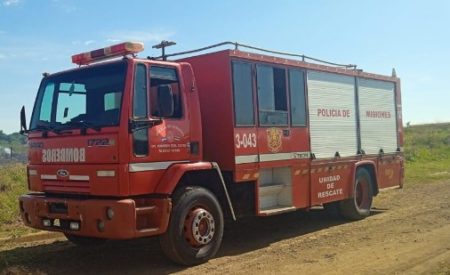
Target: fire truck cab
pixel 123 147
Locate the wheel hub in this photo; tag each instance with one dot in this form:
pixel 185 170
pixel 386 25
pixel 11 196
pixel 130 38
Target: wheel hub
pixel 199 227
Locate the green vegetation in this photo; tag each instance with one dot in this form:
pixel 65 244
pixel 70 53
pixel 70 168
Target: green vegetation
pixel 427 152
pixel 12 148
pixel 13 183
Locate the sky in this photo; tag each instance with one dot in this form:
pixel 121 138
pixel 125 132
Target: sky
pixel 411 36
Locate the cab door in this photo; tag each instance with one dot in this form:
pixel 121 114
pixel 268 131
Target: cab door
pixel 170 140
pixel 161 139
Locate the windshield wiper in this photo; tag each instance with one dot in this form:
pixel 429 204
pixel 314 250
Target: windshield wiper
pixel 46 128
pixel 84 125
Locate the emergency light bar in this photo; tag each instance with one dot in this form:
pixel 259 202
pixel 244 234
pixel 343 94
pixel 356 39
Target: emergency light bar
pixel 108 52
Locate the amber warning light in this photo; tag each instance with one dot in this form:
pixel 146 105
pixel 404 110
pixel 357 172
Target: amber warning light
pixel 108 52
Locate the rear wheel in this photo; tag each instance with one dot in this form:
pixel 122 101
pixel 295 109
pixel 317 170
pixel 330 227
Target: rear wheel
pixel 195 228
pixel 84 241
pixel 358 207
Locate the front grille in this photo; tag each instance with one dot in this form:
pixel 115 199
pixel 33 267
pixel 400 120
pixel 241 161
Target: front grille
pixel 66 186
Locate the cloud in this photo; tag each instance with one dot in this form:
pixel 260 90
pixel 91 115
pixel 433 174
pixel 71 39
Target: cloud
pixel 11 3
pixel 139 35
pixel 113 40
pixel 89 42
pixel 19 48
pixel 67 6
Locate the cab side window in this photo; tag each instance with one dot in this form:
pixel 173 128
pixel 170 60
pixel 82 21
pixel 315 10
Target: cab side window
pixel 164 77
pixel 46 103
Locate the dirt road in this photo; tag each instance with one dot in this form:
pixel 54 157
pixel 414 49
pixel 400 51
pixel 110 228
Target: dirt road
pixel 409 232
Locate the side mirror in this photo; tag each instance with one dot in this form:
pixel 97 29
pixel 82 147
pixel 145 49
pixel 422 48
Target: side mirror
pixel 23 121
pixel 165 101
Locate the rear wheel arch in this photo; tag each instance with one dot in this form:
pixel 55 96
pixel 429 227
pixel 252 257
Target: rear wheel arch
pixel 359 204
pixel 371 169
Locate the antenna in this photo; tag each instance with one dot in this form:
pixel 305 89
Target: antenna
pixel 394 73
pixel 163 46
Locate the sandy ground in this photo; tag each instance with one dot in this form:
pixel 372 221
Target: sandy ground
pixel 408 233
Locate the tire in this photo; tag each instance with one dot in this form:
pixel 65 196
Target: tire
pixel 195 227
pixel 84 241
pixel 358 207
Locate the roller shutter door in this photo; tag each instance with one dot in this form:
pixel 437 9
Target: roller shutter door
pixel 331 100
pixel 377 116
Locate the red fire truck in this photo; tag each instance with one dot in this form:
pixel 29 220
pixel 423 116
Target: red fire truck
pixel 135 147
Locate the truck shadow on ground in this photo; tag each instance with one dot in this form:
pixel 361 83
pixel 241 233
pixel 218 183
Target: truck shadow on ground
pixel 145 255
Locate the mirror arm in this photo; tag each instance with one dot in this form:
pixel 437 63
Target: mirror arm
pixel 24 132
pixel 136 125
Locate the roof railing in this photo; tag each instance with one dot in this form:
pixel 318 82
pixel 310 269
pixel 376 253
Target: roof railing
pixel 236 45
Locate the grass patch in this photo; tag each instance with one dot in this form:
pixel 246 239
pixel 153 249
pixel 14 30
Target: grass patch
pixel 427 152
pixel 13 183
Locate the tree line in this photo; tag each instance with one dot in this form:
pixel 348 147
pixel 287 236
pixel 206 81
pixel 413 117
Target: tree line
pixel 13 148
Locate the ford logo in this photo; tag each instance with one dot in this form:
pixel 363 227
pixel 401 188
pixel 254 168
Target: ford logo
pixel 62 173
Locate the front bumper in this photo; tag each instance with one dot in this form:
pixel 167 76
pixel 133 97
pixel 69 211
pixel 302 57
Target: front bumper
pixel 131 218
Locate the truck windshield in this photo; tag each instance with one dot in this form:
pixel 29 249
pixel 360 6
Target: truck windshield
pixel 85 98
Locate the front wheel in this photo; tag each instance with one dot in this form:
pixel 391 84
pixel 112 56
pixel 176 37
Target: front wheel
pixel 195 228
pixel 358 207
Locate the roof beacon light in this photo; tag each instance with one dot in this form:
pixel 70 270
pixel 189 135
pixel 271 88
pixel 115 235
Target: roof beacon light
pixel 121 49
